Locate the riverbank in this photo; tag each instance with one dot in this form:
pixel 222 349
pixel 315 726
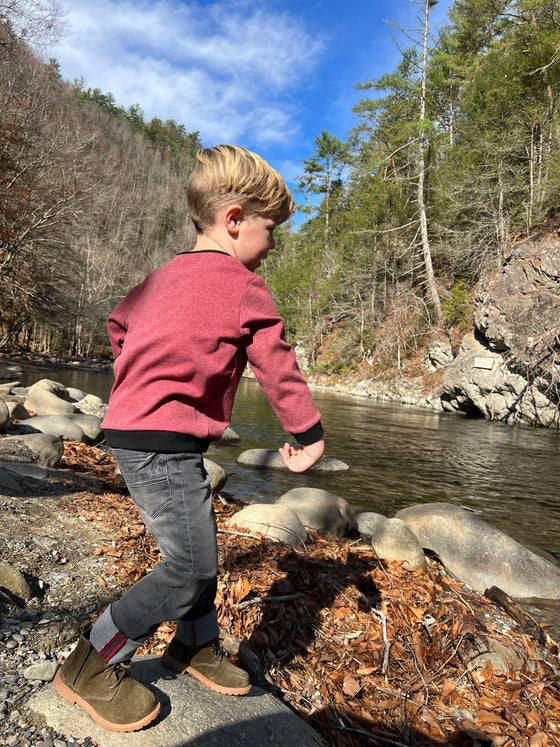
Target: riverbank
pixel 363 650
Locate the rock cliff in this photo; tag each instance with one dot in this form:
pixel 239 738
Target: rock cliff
pixel 509 369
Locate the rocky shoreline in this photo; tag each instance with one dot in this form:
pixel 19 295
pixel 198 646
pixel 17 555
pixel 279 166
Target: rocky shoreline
pixel 359 643
pixel 52 549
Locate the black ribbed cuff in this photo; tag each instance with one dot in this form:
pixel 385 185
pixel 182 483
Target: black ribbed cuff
pixel 309 437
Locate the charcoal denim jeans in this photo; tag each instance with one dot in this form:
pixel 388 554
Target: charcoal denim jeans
pixel 172 493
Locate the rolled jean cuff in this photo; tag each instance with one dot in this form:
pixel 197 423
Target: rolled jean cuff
pixel 110 642
pixel 199 631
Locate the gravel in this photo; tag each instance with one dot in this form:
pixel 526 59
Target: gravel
pixel 53 550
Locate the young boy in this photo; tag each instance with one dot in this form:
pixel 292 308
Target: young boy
pixel 181 341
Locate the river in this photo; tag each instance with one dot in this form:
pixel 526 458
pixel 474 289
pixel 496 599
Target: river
pixel 398 455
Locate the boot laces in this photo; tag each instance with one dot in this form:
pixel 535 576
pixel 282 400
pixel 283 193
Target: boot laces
pixel 119 671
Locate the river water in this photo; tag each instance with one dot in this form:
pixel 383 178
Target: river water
pixel 398 455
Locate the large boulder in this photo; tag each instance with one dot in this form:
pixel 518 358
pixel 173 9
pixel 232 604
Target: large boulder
pixel 272 459
pixel 42 401
pixel 479 382
pixel 318 509
pixel 56 425
pixel 47 385
pixel 35 448
pixel 480 555
pixel 274 522
pixel 508 371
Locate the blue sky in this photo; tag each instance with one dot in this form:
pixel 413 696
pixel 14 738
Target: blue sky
pixel 265 74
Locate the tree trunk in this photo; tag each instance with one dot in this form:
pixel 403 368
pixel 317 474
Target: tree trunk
pixel 426 250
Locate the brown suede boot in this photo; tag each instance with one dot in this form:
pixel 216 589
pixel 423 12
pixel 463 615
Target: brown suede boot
pixel 209 665
pixel 106 691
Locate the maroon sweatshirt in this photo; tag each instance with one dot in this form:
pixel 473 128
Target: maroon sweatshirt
pixel 181 341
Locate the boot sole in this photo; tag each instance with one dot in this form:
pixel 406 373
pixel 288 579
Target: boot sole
pixel 74 699
pixel 180 668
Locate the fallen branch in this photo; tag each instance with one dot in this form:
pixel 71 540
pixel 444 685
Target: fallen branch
pixel 258 600
pixel 516 611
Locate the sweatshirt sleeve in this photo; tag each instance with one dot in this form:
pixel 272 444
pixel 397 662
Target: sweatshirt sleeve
pixel 273 362
pixel 117 324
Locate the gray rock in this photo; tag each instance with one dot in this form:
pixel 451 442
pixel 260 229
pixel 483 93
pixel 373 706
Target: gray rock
pixel 369 523
pixel 35 448
pixel 14 581
pixel 57 425
pixel 4 414
pixel 74 394
pixel 480 555
pixel 25 470
pixel 19 391
pixel 17 410
pixel 439 355
pixel 44 402
pixel 47 385
pixel 271 459
pixel 394 540
pixel 479 381
pixel 90 425
pixel 43 671
pixel 482 650
pixel 275 522
pixel 321 510
pixel 229 436
pixel 92 405
pixel 192 714
pixel 218 475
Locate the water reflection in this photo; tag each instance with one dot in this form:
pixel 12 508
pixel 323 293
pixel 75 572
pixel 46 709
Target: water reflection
pixel 399 455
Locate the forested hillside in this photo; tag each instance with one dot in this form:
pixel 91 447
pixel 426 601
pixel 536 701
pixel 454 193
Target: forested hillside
pixel 91 199
pixel 454 155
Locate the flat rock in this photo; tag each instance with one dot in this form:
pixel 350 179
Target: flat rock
pixel 191 714
pixel 271 459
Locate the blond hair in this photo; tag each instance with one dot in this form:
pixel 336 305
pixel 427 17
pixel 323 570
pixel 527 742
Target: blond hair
pixel 231 175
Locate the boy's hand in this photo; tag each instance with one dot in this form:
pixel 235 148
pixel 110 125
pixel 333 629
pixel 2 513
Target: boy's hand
pixel 300 458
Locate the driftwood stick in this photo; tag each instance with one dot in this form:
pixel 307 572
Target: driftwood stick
pixel 517 613
pixel 258 600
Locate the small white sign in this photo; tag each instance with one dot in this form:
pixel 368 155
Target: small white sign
pixel 486 363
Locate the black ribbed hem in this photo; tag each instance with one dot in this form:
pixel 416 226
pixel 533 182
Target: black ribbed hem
pixel 311 436
pixel 156 441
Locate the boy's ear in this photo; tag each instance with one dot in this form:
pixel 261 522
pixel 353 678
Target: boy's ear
pixel 233 217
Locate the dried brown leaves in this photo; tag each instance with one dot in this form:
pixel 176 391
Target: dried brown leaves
pixel 367 651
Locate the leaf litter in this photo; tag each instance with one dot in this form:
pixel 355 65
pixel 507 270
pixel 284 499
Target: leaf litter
pixel 363 649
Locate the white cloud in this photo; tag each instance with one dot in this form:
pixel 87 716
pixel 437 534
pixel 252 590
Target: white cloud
pixel 227 69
